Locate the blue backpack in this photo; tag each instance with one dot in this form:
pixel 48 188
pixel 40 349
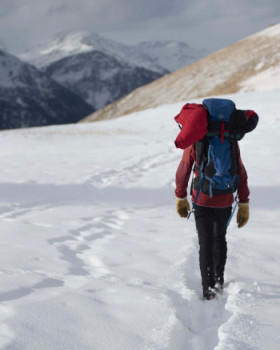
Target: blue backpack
pixel 217 151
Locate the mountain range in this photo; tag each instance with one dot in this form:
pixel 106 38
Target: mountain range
pixel 100 70
pixel 98 78
pixel 28 97
pixel 158 56
pixel 252 64
pixel 75 74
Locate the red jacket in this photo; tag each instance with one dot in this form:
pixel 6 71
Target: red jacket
pixel 223 200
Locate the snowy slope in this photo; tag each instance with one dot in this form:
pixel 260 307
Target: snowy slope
pixel 160 57
pixel 94 255
pixel 249 65
pixel 29 97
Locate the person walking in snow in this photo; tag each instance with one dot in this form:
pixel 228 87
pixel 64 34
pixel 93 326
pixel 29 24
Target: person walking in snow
pixel 211 216
pixel 212 211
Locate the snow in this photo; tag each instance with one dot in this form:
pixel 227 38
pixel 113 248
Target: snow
pixel 94 255
pixel 271 31
pixel 71 45
pixel 267 79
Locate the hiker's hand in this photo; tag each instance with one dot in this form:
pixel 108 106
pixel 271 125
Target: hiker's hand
pixel 242 214
pixel 182 207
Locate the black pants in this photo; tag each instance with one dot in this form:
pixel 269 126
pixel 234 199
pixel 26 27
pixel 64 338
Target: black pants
pixel 211 228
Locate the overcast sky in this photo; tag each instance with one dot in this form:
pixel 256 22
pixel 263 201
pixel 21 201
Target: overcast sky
pixel 209 24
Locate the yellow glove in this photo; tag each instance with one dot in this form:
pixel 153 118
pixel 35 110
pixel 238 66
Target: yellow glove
pixel 182 207
pixel 242 214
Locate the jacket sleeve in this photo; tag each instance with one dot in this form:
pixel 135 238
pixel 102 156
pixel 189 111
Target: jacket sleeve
pixel 243 189
pixel 183 173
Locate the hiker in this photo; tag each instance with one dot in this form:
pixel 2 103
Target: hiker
pixel 212 207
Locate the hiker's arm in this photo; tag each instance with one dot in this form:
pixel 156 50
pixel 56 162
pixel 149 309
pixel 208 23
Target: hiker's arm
pixel 243 189
pixel 183 173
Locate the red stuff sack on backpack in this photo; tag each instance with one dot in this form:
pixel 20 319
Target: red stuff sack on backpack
pixel 193 123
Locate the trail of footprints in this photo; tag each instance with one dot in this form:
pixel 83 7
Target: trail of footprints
pixel 137 168
pixel 83 247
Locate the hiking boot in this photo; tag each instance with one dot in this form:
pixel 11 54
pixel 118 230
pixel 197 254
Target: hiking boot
pixel 209 294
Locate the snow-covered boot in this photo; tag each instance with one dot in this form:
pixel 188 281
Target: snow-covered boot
pixel 209 294
pixel 208 283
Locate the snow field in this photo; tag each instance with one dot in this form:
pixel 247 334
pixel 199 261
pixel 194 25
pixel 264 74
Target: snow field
pixel 94 255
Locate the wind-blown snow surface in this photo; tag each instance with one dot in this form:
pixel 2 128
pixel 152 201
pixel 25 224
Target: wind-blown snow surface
pixel 94 256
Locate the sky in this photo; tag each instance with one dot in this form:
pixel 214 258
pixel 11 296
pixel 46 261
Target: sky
pixel 202 24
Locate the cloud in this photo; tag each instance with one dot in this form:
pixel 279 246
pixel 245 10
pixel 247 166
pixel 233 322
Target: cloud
pixel 30 21
pixel 98 11
pixel 214 23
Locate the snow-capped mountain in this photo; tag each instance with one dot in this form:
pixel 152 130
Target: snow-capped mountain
pixel 98 78
pixel 29 97
pixel 171 55
pixel 161 57
pixel 252 64
pixel 100 70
